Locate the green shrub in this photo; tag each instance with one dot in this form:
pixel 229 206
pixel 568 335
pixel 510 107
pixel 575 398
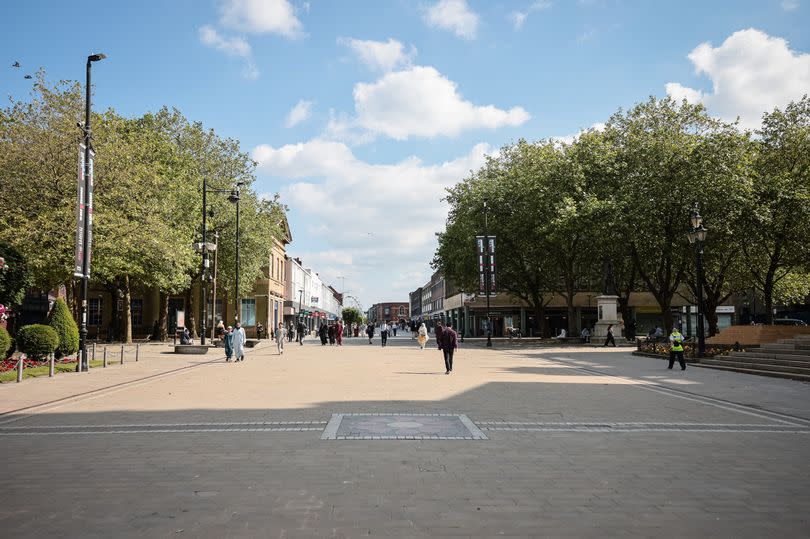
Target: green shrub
pixel 5 342
pixel 37 340
pixel 65 327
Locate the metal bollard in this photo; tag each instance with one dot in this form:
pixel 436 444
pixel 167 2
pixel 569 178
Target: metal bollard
pixel 104 361
pixel 137 351
pixel 19 370
pixel 51 366
pixel 94 352
pixel 122 354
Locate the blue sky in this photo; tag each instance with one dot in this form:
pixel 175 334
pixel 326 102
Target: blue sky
pixel 397 99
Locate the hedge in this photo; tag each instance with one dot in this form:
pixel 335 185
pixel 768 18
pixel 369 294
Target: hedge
pixel 37 340
pixel 5 342
pixel 62 322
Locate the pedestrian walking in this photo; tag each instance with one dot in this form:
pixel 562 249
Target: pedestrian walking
pixel 370 331
pixel 239 342
pixel 414 329
pixel 339 333
pixel 394 329
pixel 439 329
pixel 609 338
pixel 227 339
pixel 331 332
pixel 220 331
pixel 448 345
pixel 676 349
pixel 281 332
pixel 384 329
pixel 299 332
pixel 423 336
pixel 290 332
pixel 322 333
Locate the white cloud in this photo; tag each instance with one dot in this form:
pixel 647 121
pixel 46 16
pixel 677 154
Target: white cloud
pixel 235 46
pixel 380 55
pixel 790 5
pixel 453 15
pixel 568 139
pixel 374 223
pixel 519 17
pixel 420 102
pixel 299 113
pixel 751 73
pixel 261 16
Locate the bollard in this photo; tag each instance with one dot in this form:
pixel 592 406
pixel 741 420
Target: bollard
pixel 94 351
pixel 19 370
pixel 122 354
pixel 137 351
pixel 51 366
pixel 104 361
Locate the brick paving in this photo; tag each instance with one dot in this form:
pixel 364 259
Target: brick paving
pixel 582 442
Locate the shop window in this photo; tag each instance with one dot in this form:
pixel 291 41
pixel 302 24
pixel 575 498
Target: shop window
pixel 137 311
pixel 248 317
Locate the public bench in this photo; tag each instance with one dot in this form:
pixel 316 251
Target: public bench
pixel 191 348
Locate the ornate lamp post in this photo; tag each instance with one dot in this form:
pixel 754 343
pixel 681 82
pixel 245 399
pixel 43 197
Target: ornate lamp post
pixel 697 236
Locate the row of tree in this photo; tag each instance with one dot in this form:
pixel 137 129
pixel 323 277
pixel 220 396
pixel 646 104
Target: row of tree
pixel 625 193
pixel 147 199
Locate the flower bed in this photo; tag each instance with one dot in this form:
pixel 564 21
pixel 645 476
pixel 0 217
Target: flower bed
pixel 689 349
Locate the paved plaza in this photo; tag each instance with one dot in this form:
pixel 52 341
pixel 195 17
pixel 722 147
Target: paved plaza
pixel 523 441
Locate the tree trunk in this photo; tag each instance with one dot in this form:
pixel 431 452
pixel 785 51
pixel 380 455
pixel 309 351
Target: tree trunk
pixel 113 326
pixel 127 321
pixel 191 322
pixel 162 333
pixel 767 292
pixel 666 312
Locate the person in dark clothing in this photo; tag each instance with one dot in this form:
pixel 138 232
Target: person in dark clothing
pixel 323 334
pixel 331 333
pixel 609 338
pixel 299 332
pixel 448 342
pixel 370 332
pixel 384 329
pixel 439 330
pixel 290 332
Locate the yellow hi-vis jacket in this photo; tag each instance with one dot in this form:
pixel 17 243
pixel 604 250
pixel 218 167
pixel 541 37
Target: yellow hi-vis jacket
pixel 676 338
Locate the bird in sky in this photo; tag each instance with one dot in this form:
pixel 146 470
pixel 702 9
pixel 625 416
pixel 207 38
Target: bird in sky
pixel 15 64
pixel 28 77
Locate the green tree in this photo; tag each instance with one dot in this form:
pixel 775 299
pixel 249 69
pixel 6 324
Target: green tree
pixel 351 316
pixel 65 327
pixel 37 340
pixel 665 160
pixel 775 245
pixel 14 276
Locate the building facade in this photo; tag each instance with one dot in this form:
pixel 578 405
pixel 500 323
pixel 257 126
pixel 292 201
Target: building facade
pixel 394 311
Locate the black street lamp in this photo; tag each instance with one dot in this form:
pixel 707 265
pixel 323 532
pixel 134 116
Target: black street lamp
pixel 234 198
pixel 697 236
pixel 82 364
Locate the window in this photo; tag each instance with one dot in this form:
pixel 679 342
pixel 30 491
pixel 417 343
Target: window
pixel 401 310
pixel 248 317
pixel 94 315
pixel 217 316
pixel 387 311
pixel 137 312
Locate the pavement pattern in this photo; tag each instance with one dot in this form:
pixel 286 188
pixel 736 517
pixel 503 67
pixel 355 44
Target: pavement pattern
pixel 360 440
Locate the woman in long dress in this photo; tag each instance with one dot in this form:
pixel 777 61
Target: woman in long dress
pixel 423 336
pixel 227 339
pixel 239 343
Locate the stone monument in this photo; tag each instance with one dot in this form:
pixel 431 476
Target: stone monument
pixel 607 306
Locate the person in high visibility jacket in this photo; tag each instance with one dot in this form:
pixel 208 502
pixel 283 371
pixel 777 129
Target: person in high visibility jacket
pixel 676 348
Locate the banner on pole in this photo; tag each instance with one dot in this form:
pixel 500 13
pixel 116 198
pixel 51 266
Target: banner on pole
pixel 485 245
pixel 78 269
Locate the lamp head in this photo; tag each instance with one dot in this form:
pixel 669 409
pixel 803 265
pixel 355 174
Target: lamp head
pixel 234 197
pixel 695 219
pixel 96 57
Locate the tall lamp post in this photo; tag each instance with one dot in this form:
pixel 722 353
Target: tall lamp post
pixel 488 270
pixel 87 216
pixel 697 236
pixel 234 198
